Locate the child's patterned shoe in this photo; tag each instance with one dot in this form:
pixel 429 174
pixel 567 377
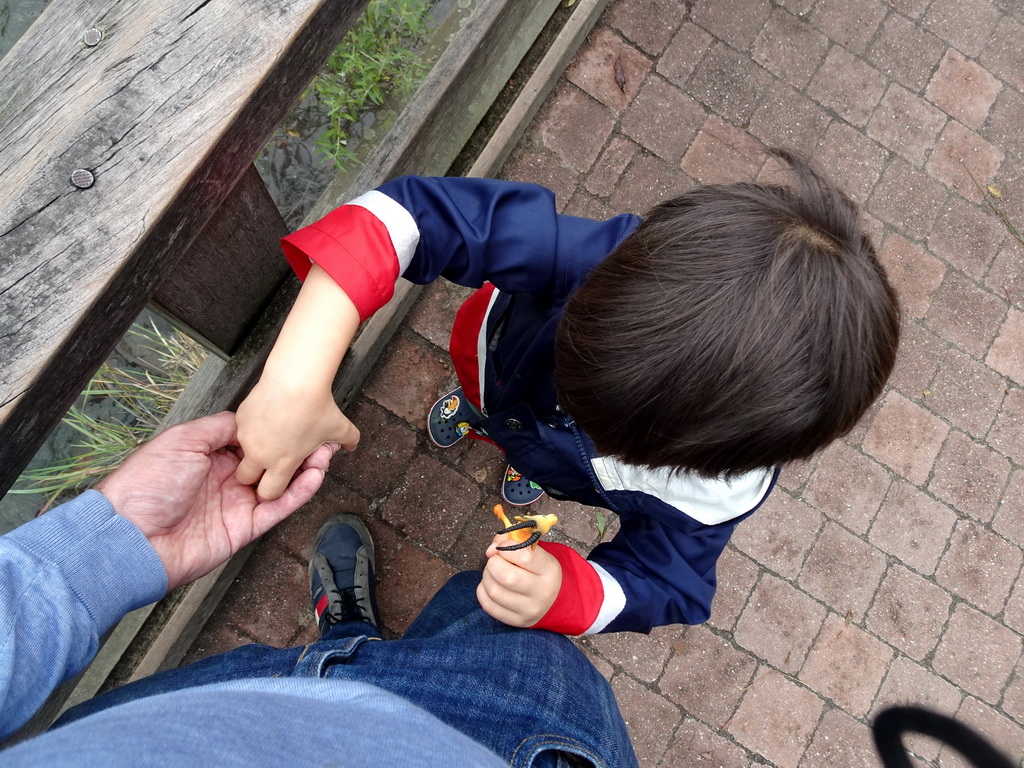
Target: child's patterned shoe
pixel 449 418
pixel 517 490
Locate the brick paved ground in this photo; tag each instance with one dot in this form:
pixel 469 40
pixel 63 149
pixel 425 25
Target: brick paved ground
pixel 888 569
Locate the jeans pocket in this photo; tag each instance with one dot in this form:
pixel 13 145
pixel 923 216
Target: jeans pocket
pixel 548 750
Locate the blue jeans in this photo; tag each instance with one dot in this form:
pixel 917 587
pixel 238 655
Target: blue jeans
pixel 529 695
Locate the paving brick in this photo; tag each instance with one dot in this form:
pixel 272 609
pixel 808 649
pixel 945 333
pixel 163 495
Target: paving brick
pixel 780 534
pixel 846 664
pixel 722 154
pixel 410 376
pixel 737 22
pixel 905 437
pixel 913 527
pixel 406 584
pixel 1006 275
pixel 779 624
pixel 648 181
pixel 417 508
pixel 1003 54
pixel 541 166
pixel 848 85
pixel 1013 617
pixel 961 154
pixel 386 445
pixel 912 8
pixel 965 314
pixel 905 51
pixel 1007 352
pixel 684 53
pixel 843 571
pixel 602 63
pixel 1013 698
pixel 966 393
pixel 648 23
pixel 851 159
pixel 698 746
pixel 736 576
pixel 909 612
pixel 963 88
pixel 918 359
pixel 789 47
pixel 649 718
pixel 269 600
pixel 787 118
pixel 970 477
pixel 967 236
pixel 1006 735
pixel 977 653
pixel 1005 119
pixel 663 119
pixel 907 199
pixel 979 567
pixel 797 7
pixel 1009 519
pixel 707 676
pixel 217 637
pixel 781 734
pixel 432 314
pixel 640 656
pixel 574 126
pixel 586 206
pixel 610 165
pixel 913 271
pixel 729 83
pixel 964 24
pixel 852 23
pixel 911 684
pixel 840 741
pixel 795 474
pixel 906 124
pixel 848 487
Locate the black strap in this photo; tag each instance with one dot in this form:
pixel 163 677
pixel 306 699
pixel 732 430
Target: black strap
pixel 892 723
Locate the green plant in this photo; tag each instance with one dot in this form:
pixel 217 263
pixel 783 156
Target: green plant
pixel 376 59
pixel 141 399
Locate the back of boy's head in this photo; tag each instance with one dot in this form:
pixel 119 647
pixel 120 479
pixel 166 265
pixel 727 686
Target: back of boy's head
pixel 740 326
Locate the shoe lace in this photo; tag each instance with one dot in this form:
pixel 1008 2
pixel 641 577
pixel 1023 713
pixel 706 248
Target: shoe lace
pixel 346 605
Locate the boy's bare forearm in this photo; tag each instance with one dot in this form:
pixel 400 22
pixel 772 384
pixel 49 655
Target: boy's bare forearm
pixel 315 336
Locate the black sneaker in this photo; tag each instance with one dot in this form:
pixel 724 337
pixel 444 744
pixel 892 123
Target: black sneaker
pixel 341 580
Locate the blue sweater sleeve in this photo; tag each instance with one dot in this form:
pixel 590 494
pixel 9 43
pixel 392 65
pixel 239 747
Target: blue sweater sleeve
pixel 65 579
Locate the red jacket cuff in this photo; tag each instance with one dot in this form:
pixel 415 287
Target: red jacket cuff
pixel 580 597
pixel 352 246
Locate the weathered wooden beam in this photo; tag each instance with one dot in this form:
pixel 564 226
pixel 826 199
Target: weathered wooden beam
pixel 166 113
pixel 221 284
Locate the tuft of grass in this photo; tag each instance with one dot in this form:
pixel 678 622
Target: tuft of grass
pixel 376 59
pixel 141 398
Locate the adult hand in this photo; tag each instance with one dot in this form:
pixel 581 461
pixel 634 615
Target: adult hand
pixel 279 424
pixel 180 490
pixel 520 586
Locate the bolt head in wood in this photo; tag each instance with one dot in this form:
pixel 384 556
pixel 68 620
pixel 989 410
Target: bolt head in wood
pixel 82 178
pixel 92 36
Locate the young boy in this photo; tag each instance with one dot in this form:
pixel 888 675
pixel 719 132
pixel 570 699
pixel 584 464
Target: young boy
pixel 663 369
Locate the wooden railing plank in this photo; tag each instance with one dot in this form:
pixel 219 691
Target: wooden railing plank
pixel 221 284
pixel 167 112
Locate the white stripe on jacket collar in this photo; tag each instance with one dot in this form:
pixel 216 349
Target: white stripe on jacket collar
pixel 709 501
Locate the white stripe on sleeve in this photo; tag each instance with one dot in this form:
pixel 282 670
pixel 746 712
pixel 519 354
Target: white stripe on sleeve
pixel 400 224
pixel 614 601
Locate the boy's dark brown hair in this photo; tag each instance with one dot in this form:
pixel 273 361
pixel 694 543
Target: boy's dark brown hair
pixel 740 326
